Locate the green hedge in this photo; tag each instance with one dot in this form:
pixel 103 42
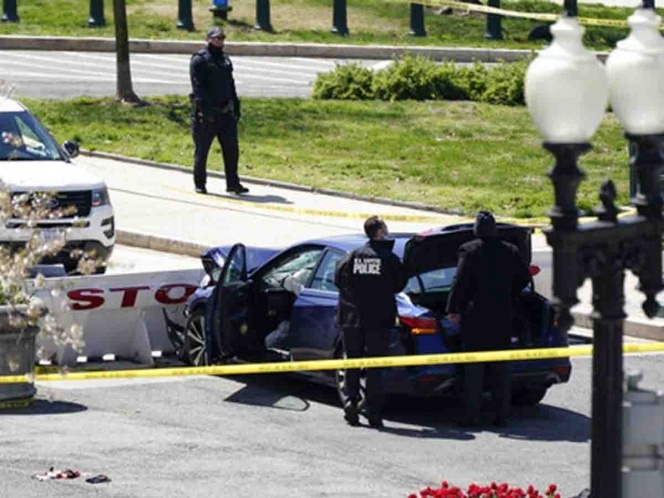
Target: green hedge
pixel 420 78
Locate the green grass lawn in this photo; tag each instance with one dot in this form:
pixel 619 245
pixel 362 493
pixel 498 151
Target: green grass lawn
pixel 370 22
pixel 457 156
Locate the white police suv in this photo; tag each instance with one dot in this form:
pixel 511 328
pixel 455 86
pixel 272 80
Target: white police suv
pixel 32 161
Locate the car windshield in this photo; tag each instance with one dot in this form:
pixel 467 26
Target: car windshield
pixel 432 281
pixel 23 138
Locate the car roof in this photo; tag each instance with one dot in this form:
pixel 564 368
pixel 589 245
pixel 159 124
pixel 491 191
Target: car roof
pixel 9 105
pixel 348 242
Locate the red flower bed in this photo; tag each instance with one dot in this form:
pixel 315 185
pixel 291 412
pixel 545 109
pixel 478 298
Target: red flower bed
pixel 491 491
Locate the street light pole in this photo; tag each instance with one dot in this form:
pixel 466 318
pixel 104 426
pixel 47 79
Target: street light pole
pixel 567 90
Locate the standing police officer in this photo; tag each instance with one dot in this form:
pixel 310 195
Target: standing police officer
pixel 368 278
pixel 216 111
pixel 490 274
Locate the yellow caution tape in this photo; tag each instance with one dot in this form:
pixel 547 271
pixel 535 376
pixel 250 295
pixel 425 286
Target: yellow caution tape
pixel 512 13
pixel 16 403
pixel 414 218
pixel 312 365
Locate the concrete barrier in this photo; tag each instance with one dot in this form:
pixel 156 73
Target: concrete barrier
pixel 121 315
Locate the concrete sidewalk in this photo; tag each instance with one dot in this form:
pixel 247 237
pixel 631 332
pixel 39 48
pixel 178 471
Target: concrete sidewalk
pixel 156 208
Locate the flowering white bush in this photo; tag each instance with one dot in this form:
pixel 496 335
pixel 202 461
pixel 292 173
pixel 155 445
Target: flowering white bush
pixel 16 264
pixel 18 259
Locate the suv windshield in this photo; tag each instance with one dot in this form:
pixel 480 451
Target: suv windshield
pixel 23 138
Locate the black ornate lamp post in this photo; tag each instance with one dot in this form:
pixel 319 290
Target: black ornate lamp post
pixel 567 90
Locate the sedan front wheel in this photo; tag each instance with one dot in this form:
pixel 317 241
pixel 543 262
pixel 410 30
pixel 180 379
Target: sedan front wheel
pixel 194 339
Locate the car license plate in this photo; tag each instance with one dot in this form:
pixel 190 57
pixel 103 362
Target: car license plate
pixel 51 235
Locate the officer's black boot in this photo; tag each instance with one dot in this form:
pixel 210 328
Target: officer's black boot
pixel 351 413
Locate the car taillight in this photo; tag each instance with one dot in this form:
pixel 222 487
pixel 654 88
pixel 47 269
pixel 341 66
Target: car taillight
pixel 534 270
pixel 420 326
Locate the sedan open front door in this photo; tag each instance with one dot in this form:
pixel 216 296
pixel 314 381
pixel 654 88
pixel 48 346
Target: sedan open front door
pixel 231 300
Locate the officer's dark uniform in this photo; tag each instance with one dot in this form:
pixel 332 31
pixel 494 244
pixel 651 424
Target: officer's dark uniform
pixel 490 273
pixel 216 111
pixel 367 279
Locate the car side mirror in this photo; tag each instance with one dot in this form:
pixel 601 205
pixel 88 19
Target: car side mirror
pixel 71 147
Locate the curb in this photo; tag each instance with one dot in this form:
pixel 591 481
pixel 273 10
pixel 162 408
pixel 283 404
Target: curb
pixel 161 244
pixel 642 328
pixel 275 49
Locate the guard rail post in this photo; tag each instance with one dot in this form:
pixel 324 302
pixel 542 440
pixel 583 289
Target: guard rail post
pixel 185 20
pixel 339 18
pixel 643 440
pixel 220 9
pixel 96 19
pixel 494 30
pixel 263 16
pixel 417 20
pixel 9 13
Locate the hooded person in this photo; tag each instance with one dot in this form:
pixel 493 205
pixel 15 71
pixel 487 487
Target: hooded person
pixel 490 274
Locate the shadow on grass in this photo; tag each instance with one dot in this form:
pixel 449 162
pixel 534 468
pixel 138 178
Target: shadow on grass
pixel 242 25
pixel 45 407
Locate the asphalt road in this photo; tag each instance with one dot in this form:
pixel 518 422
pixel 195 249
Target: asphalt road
pixel 276 436
pixel 71 74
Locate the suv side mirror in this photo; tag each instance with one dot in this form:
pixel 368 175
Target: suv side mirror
pixel 71 147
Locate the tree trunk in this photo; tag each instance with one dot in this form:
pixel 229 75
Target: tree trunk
pixel 125 92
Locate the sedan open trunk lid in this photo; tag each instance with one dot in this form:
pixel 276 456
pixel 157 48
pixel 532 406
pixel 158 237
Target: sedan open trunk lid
pixel 438 248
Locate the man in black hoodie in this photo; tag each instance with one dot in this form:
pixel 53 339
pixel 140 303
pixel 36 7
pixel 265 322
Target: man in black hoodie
pixel 490 274
pixel 216 111
pixel 368 278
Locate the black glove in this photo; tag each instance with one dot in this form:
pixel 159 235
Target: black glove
pixel 237 110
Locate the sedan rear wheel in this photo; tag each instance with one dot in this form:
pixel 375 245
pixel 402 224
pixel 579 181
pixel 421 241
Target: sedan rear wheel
pixel 528 396
pixel 194 339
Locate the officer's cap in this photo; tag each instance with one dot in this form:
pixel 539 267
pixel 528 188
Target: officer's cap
pixel 216 32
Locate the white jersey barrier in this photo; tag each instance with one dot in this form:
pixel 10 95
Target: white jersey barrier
pixel 120 314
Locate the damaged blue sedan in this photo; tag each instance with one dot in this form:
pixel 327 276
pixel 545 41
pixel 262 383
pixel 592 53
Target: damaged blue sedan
pixel 258 304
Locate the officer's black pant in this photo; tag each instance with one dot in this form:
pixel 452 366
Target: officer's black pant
pixel 364 342
pixel 496 374
pixel 204 130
